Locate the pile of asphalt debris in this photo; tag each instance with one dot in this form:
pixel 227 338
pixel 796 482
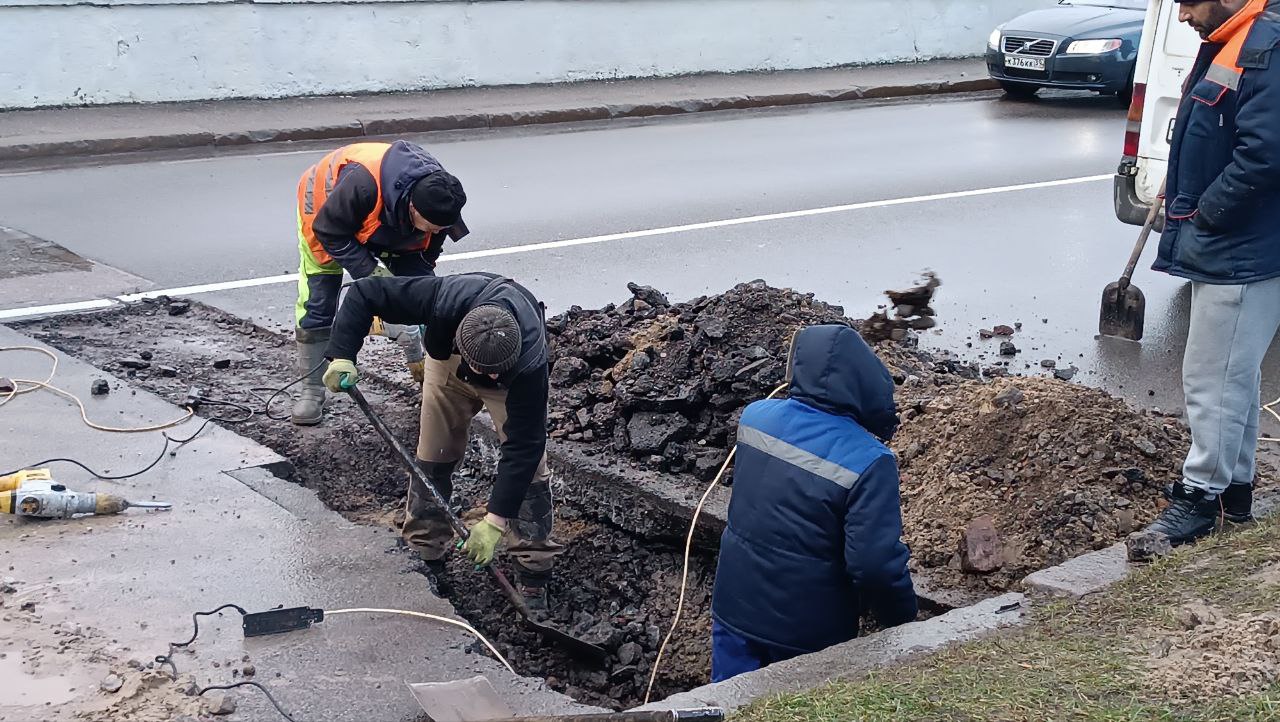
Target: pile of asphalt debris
pixel 663 385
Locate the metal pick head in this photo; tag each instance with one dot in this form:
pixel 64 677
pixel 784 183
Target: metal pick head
pixel 149 505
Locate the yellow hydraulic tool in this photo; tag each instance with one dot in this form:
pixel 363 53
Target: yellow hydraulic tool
pixel 34 493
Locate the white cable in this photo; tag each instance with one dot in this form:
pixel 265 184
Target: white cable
pixel 46 384
pixel 684 574
pixel 1270 409
pixel 424 615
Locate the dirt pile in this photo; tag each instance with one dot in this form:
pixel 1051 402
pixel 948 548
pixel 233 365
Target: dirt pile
pixel 1060 469
pixel 664 384
pixel 1216 657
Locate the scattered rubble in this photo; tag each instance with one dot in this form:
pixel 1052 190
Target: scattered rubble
pixel 980 550
pixel 1146 546
pixel 100 387
pixel 912 311
pixel 1216 657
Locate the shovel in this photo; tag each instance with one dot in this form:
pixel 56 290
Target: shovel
pixel 579 648
pixel 1124 308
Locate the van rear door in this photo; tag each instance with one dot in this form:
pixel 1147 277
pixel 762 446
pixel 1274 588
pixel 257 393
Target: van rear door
pixel 1167 52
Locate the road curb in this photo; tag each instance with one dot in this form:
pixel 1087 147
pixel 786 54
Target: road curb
pixel 372 127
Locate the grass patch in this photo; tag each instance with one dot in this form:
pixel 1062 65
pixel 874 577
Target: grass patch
pixel 1085 660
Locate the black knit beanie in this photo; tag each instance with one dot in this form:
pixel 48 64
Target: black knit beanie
pixel 489 339
pixel 439 198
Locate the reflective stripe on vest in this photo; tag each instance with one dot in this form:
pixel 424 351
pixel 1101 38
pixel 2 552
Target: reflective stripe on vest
pixel 312 195
pixel 794 455
pixel 1226 70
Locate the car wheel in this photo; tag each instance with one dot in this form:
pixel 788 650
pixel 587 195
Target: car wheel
pixel 1018 91
pixel 1126 94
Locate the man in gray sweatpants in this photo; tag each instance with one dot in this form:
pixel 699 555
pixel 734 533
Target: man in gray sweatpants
pixel 1223 234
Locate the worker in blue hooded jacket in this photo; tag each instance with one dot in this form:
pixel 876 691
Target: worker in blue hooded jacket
pixel 815 523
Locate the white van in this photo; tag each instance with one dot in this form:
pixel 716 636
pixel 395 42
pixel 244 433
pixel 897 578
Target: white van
pixel 1165 55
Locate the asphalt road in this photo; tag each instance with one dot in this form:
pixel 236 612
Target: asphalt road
pixel 1039 256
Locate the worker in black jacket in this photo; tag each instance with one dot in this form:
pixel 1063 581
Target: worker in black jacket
pixel 486 346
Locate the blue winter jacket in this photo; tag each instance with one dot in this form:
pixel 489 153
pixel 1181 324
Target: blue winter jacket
pixel 815 525
pixel 1224 165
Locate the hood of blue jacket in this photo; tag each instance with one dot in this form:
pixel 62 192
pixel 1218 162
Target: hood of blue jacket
pixel 834 370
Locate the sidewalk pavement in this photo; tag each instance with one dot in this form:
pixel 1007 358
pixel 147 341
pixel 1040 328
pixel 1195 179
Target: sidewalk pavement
pixel 83 597
pixel 128 128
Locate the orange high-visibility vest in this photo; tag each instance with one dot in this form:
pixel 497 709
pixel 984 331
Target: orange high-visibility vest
pixel 318 181
pixel 1226 70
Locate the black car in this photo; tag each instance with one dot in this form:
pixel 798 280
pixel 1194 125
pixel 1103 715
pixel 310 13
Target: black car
pixel 1078 45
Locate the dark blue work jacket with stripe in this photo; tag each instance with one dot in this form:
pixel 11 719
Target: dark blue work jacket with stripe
pixel 815 523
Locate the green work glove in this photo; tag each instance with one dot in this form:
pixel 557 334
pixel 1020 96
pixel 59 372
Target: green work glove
pixel 482 543
pixel 381 271
pixel 341 375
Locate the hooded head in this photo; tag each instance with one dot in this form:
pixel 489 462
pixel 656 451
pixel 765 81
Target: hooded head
pixel 832 369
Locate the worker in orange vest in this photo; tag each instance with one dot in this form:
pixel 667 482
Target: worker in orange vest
pixel 370 209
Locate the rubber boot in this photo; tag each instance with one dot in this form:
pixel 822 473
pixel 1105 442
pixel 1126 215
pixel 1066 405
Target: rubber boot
pixel 1192 513
pixel 308 407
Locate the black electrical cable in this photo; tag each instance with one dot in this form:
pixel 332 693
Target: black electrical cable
pixel 259 687
pixel 167 440
pixel 266 406
pixel 167 659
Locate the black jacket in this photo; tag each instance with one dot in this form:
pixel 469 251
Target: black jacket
pixel 354 197
pixel 438 303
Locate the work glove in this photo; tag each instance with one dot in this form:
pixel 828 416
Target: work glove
pixel 482 542
pixel 381 271
pixel 341 375
pixel 418 370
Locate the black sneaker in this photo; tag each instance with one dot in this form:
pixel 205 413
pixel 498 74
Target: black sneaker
pixel 1237 502
pixel 1191 514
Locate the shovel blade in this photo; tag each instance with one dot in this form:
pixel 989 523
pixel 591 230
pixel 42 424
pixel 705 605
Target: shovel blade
pixel 1124 310
pixel 465 700
pixel 579 649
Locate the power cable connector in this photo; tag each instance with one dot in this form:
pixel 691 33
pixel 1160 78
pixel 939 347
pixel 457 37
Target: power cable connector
pixel 279 621
pixel 195 397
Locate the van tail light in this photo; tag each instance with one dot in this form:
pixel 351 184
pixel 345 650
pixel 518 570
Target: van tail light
pixel 1133 129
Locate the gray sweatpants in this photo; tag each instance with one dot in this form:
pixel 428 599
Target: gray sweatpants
pixel 1231 329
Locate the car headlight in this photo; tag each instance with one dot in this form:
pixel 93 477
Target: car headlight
pixel 994 40
pixel 1093 47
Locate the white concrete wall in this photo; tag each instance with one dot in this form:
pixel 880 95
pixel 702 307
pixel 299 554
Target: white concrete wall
pixel 56 52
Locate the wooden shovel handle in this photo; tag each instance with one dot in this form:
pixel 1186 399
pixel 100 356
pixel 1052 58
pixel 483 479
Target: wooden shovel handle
pixel 1152 214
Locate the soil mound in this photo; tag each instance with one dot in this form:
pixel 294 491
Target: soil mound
pixel 1232 657
pixel 1059 469
pixel 664 384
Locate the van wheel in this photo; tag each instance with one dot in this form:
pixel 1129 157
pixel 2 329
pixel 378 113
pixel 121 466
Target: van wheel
pixel 1018 91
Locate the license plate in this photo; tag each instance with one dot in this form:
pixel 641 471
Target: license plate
pixel 1021 63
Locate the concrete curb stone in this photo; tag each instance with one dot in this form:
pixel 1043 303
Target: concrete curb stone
pixel 470 121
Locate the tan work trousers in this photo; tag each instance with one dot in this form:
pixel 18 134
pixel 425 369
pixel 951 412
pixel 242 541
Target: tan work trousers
pixel 448 406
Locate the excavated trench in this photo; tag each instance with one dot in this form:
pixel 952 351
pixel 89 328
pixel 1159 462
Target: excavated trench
pixel 614 584
pixel 645 400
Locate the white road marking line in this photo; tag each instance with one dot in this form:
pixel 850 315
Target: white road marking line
pixel 15 313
